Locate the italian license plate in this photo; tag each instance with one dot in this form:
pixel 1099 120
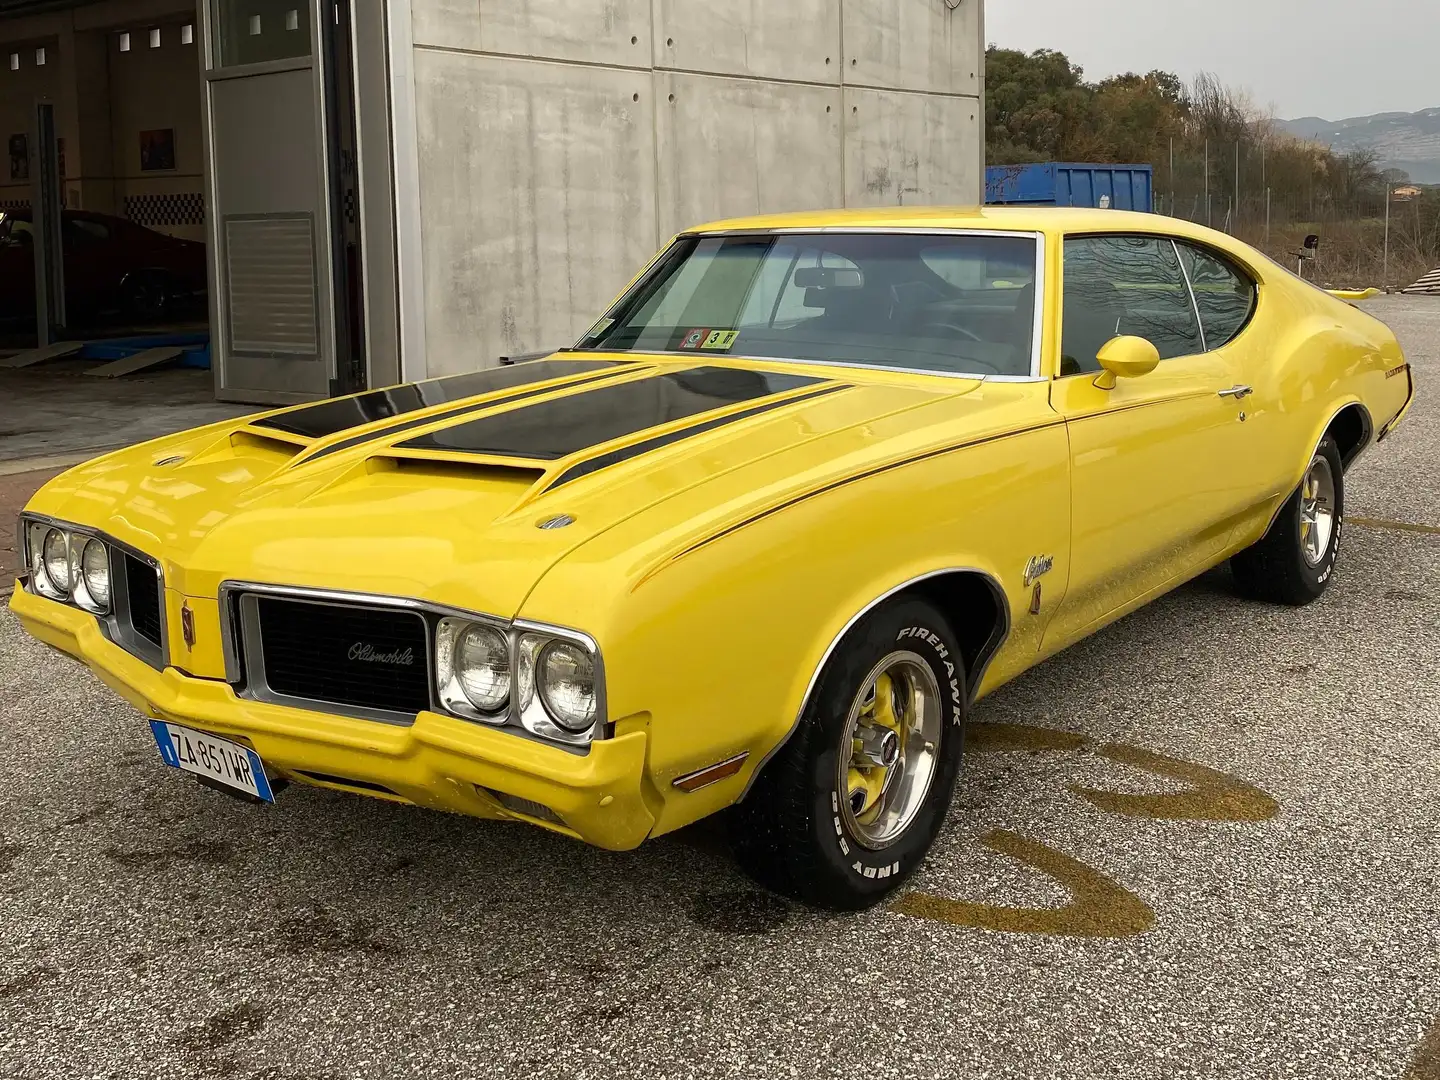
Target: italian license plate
pixel 213 758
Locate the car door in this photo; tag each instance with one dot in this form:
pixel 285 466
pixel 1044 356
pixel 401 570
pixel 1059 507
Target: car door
pixel 1153 458
pixel 92 276
pixel 1226 297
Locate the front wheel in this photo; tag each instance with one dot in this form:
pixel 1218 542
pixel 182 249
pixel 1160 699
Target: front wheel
pixel 1293 562
pixel 147 296
pixel 851 804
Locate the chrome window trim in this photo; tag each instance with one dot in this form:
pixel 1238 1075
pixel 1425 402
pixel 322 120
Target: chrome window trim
pixel 118 626
pixel 988 652
pixel 1194 300
pixel 1037 330
pixel 239 668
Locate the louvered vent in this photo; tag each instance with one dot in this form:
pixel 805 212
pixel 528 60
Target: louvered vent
pixel 270 273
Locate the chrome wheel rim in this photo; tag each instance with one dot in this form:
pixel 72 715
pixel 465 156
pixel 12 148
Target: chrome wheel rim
pixel 1317 511
pixel 889 749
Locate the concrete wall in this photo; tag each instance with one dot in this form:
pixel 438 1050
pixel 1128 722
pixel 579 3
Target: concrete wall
pixel 560 142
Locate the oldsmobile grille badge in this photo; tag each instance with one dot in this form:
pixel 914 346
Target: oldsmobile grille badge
pixel 363 650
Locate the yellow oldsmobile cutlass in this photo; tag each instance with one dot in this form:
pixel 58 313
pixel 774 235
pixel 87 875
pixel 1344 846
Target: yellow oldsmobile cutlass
pixel 758 542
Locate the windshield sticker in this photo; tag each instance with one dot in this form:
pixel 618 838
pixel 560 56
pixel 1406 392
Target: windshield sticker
pixel 720 339
pixel 694 338
pixel 599 328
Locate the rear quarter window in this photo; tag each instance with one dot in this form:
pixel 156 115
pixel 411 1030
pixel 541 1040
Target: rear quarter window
pixel 1224 294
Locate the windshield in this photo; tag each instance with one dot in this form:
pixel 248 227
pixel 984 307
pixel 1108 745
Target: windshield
pixel 962 303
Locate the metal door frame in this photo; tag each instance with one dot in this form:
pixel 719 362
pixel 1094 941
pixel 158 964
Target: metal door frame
pixel 374 202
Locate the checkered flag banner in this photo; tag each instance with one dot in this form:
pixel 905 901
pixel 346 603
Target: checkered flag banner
pixel 164 210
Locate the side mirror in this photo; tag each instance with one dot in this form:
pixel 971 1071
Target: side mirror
pixel 1125 358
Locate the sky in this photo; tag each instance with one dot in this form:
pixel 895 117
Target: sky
pixel 1329 58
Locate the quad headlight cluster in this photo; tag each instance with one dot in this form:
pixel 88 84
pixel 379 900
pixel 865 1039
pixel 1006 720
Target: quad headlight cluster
pixel 545 679
pixel 69 565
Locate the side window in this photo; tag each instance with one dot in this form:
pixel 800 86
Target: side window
pixel 1124 285
pixel 1225 297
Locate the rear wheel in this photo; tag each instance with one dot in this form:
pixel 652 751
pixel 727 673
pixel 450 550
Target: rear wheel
pixel 849 807
pixel 1294 561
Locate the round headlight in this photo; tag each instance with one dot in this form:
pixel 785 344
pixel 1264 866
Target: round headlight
pixel 95 574
pixel 56 551
pixel 482 666
pixel 567 685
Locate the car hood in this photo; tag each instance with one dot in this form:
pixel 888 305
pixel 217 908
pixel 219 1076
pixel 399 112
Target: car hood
pixel 466 490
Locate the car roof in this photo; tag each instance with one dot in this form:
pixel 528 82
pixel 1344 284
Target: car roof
pixel 1048 219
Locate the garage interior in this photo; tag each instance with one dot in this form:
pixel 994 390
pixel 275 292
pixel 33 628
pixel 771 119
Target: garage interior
pixel 104 120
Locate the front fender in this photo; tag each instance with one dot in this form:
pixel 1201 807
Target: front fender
pixel 721 645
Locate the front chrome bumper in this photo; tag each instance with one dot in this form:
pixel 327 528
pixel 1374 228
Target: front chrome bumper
pixel 438 761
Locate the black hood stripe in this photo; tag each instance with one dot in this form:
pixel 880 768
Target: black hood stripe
pixel 326 418
pixel 450 414
pixel 625 453
pixel 550 430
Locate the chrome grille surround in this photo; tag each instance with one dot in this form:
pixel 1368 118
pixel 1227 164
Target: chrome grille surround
pixel 240 633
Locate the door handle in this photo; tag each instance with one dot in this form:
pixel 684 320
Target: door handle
pixel 1237 392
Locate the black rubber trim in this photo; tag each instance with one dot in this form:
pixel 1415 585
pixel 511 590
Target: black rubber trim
pixel 326 418
pixel 345 781
pixel 449 414
pixel 625 453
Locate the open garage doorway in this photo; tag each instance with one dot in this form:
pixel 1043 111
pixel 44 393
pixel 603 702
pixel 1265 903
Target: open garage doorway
pixel 101 123
pixel 187 182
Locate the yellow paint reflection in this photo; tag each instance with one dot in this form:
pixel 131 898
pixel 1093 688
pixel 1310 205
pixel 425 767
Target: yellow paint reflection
pixel 1426 1063
pixel 1098 907
pixel 1216 796
pixel 997 738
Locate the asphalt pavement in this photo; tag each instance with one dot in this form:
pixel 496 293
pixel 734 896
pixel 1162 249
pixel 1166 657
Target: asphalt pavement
pixel 1204 843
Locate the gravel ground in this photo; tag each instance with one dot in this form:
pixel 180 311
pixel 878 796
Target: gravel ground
pixel 1229 867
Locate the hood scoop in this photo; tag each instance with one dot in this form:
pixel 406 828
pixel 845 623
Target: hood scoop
pixel 521 477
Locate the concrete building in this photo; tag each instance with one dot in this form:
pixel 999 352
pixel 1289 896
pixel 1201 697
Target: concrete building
pixel 418 187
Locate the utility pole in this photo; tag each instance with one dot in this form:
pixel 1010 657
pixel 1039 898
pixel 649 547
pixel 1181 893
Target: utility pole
pixel 1267 215
pixel 1172 175
pixel 1235 202
pixel 1385 271
pixel 1209 217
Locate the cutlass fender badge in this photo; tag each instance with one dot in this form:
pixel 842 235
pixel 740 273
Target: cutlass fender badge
pixel 1037 567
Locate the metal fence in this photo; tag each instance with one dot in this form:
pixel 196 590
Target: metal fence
pixel 1372 231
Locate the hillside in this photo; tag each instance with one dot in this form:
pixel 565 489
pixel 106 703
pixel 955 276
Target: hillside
pixel 1409 141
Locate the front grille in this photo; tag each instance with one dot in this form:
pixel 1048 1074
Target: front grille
pixel 142 588
pixel 344 654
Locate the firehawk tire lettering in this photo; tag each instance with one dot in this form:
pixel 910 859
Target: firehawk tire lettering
pixel 957 716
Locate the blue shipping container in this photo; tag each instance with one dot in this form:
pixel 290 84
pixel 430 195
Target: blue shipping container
pixel 1114 187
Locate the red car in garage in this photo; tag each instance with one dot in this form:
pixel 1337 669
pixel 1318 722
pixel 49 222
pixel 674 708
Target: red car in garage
pixel 111 266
